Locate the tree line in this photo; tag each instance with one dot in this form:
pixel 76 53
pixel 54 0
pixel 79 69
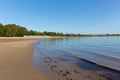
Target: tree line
pixel 13 30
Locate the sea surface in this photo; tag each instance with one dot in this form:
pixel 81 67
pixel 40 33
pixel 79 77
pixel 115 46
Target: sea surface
pixel 103 51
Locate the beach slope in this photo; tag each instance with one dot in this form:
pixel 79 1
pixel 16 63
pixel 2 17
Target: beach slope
pixel 16 61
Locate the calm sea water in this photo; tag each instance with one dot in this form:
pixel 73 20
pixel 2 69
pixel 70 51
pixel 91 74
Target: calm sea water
pixel 104 51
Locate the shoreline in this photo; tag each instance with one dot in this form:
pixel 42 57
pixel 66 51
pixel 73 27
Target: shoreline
pixel 110 61
pixel 82 63
pixel 101 65
pixel 16 60
pixel 60 67
pixel 9 69
pixel 106 71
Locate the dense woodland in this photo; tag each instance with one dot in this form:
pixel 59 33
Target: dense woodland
pixel 13 30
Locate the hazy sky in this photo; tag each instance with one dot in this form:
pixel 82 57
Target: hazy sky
pixel 71 16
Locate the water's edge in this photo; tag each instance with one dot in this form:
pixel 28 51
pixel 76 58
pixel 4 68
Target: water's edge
pixel 87 63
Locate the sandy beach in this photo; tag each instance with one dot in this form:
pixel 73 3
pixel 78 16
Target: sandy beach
pixel 16 60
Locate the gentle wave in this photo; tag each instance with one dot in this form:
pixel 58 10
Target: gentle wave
pixel 104 51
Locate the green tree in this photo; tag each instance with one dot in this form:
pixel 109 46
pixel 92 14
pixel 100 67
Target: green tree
pixel 1 30
pixel 9 29
pixel 22 31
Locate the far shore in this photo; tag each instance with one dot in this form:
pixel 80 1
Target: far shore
pixel 16 60
pixel 38 37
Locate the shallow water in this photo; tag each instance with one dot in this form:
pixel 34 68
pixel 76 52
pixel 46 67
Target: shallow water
pixel 104 51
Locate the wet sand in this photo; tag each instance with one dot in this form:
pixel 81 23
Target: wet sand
pixel 16 60
pixel 59 68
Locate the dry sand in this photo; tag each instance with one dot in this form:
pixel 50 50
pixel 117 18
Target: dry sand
pixel 16 60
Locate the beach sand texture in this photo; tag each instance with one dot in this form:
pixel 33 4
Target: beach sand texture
pixel 16 60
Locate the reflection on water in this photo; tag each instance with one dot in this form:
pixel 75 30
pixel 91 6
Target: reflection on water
pixel 109 46
pixel 101 50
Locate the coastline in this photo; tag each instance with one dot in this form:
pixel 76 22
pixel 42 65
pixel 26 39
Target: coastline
pixel 110 62
pixel 60 66
pixel 16 60
pixel 49 56
pixel 19 66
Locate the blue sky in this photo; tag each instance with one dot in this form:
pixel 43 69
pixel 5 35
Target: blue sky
pixel 67 16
